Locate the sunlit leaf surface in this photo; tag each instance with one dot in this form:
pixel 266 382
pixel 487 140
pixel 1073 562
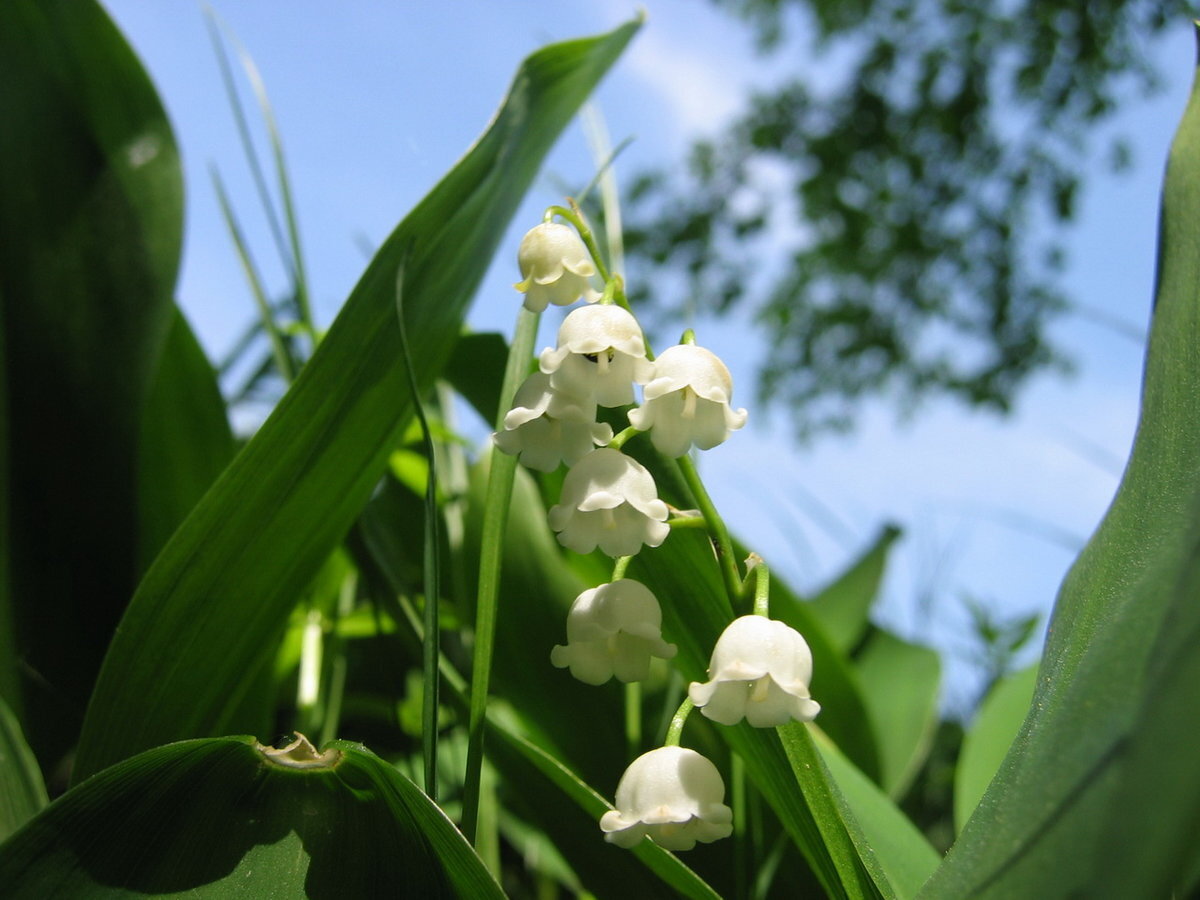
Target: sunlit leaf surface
pixel 1103 772
pixel 217 597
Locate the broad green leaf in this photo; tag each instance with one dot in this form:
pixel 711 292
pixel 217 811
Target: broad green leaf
pixel 1112 727
pixel 185 438
pixel 10 680
pixel 1158 798
pixel 880 829
pixel 900 686
pixel 221 817
pixel 843 607
pixel 22 792
pixel 91 213
pixel 473 370
pixel 988 739
pixel 217 597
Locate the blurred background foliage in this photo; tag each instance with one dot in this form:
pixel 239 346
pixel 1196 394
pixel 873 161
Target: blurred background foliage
pixel 890 213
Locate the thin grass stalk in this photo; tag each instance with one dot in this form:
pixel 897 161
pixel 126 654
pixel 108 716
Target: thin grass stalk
pixel 279 349
pixel 495 519
pixel 243 127
pixel 431 561
pixel 335 676
pixel 299 273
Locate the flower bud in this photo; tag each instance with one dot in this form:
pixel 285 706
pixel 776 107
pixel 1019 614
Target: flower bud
pixel 555 267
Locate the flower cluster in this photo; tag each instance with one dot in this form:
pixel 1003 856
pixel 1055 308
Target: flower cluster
pixel 760 668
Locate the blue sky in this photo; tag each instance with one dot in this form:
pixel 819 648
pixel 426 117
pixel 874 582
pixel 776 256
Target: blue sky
pixel 376 101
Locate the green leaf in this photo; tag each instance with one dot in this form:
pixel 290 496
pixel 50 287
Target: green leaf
pixel 22 792
pixel 843 606
pixel 986 743
pixel 218 595
pixel 900 686
pixel 881 831
pixel 1103 771
pixel 221 817
pixel 472 371
pixel 185 438
pixel 92 222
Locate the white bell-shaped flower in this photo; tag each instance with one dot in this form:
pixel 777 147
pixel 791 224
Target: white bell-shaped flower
pixel 600 354
pixel 760 670
pixel 546 427
pixel 555 267
pixel 687 401
pixel 609 501
pixel 673 795
pixel 613 630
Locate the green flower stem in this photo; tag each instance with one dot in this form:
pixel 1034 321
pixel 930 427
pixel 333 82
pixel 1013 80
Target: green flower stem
pixel 622 436
pixel 716 529
pixel 619 298
pixel 762 589
pixel 633 718
pixel 620 566
pixel 687 522
pixel 495 520
pixel 575 216
pixel 431 564
pixel 689 337
pixel 742 846
pixel 677 723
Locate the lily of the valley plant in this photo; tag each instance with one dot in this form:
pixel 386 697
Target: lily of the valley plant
pixel 760 669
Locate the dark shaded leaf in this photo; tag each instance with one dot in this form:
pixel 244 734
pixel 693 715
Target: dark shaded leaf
pixel 843 606
pixel 217 818
pixel 22 792
pixel 185 438
pixel 91 213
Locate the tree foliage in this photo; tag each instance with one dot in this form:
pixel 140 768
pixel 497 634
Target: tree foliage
pixel 898 218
